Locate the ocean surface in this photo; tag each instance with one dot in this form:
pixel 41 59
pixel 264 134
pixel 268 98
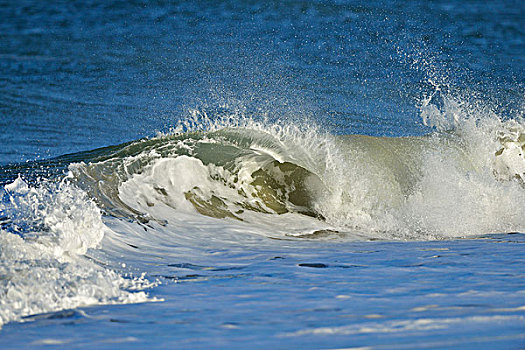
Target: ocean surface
pixel 262 174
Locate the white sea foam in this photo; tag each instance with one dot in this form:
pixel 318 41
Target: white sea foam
pixel 466 178
pixel 161 191
pixel 42 263
pixel 400 326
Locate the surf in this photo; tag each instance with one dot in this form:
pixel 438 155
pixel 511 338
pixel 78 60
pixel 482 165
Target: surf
pixel 464 178
pixel 235 179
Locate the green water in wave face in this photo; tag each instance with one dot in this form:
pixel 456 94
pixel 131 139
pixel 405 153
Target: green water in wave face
pixel 278 187
pixel 395 160
pixel 239 159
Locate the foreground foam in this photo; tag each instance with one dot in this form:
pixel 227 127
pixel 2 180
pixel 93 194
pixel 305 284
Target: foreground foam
pixel 48 229
pixel 401 326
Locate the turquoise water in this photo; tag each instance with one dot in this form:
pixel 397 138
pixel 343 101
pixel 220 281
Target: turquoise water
pixel 262 174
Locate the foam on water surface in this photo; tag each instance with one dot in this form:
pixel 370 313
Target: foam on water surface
pixel 43 267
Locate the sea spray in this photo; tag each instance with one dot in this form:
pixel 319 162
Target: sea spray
pixel 463 178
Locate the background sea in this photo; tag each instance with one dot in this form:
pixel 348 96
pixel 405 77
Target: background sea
pixel 262 174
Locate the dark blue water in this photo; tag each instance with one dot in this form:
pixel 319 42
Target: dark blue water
pixel 77 76
pixel 80 75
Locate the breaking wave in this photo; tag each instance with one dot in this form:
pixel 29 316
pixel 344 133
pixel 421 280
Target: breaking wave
pixel 233 176
pixel 465 178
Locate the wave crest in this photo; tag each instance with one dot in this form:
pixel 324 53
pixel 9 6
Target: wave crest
pixel 459 180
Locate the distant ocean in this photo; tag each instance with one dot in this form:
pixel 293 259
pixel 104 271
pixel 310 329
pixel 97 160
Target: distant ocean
pixel 262 174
